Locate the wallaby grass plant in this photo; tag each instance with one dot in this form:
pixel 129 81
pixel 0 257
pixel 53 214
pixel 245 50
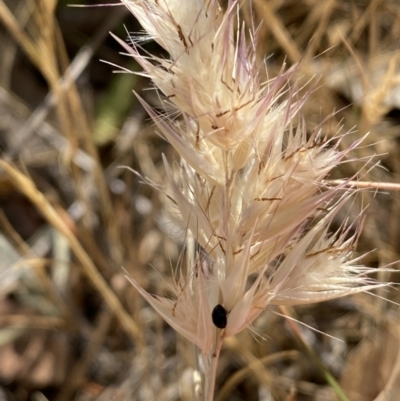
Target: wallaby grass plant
pixel 263 188
pixel 251 185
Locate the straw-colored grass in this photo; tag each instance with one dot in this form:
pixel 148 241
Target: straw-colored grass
pixel 71 326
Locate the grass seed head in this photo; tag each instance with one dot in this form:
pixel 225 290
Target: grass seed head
pixel 250 187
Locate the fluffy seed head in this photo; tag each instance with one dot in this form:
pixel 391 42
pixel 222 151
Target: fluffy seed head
pixel 249 186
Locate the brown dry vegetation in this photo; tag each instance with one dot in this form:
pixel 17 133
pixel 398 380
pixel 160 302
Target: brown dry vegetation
pixel 71 327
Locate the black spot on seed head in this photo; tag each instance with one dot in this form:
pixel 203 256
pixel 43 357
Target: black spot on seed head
pixel 219 317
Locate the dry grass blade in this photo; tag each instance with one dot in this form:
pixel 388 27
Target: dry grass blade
pixel 274 23
pixel 11 24
pixel 388 186
pixel 27 322
pixel 28 188
pixel 74 71
pixel 252 368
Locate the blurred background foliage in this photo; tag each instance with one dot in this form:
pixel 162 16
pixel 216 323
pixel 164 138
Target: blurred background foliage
pixel 71 327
